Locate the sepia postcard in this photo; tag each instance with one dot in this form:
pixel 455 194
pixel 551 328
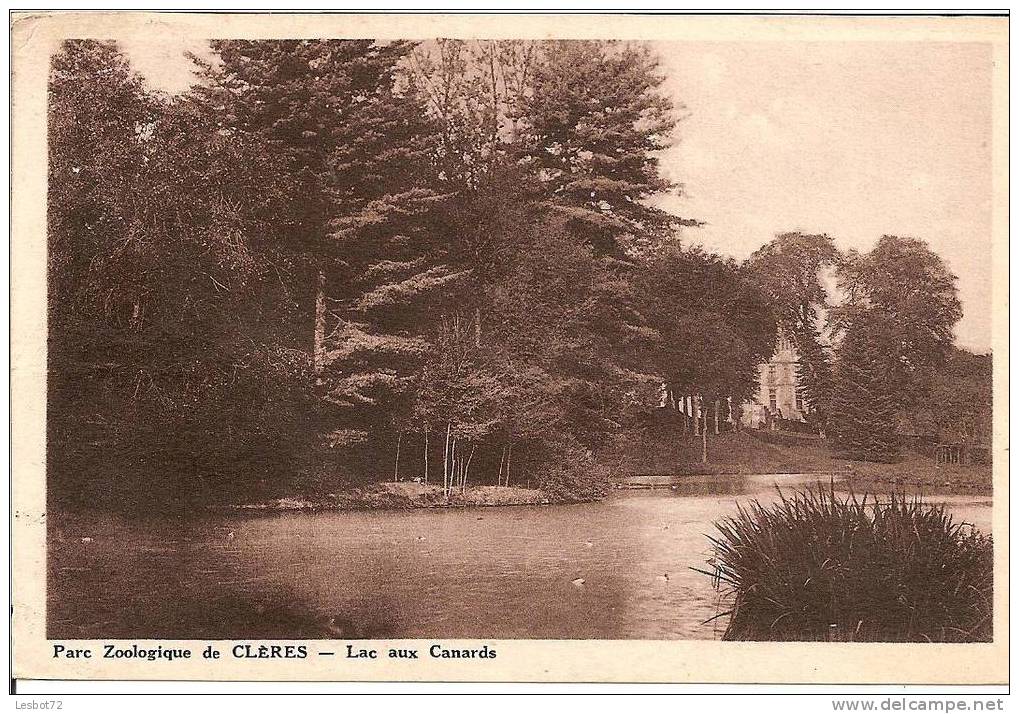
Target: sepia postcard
pixel 510 348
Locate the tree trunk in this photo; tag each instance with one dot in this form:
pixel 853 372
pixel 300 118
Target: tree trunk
pixel 716 417
pixel 502 460
pixel 695 411
pixel 454 477
pixel 396 469
pixel 509 455
pixel 704 437
pixel 426 454
pixel 457 464
pixel 461 462
pixel 320 326
pixel 445 461
pixel 467 469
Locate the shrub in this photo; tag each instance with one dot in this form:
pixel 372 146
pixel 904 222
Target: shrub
pixel 572 474
pixel 817 566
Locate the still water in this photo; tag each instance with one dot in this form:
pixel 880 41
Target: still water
pixel 617 569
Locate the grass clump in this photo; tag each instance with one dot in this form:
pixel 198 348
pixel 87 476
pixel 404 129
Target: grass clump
pixel 819 566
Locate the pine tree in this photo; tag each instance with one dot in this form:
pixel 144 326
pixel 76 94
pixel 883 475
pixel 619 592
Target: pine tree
pixel 356 144
pixel 864 403
pixel 814 376
pixel 592 124
pixel 589 129
pixel 398 272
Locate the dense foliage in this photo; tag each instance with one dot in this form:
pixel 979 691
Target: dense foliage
pixel 958 406
pixel 334 262
pixel 819 566
pixel 175 362
pixel 895 330
pixel 873 332
pixel 345 261
pixel 791 270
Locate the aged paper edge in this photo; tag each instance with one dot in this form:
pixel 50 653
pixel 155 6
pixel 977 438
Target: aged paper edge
pixel 34 36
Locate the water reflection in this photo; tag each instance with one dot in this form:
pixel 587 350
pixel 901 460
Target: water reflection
pixel 618 569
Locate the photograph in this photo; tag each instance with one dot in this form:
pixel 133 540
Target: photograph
pixel 475 339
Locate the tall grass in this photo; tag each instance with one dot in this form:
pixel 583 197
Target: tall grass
pixel 819 566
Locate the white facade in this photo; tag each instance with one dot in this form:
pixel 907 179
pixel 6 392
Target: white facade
pixel 778 394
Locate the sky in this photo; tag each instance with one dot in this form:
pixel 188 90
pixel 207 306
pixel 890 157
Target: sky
pixel 853 139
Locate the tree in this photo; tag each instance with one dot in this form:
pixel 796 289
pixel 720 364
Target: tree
pixel 959 405
pixel 896 327
pixel 592 124
pixel 458 391
pixel 711 325
pixel 814 376
pixel 471 90
pixel 100 118
pixel 790 271
pixel 905 286
pixel 572 337
pixel 356 148
pixel 169 315
pixel 864 403
pixel 546 331
pixel 589 126
pixel 359 245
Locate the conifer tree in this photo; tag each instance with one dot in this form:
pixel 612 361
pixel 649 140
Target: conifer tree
pixel 864 405
pixel 590 127
pixel 592 124
pixel 814 376
pixel 356 143
pixel 398 272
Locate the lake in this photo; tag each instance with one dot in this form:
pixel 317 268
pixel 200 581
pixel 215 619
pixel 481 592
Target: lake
pixel 616 569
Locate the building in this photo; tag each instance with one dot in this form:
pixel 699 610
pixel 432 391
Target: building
pixel 779 394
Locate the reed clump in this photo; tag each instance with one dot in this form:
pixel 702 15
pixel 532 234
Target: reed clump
pixel 817 565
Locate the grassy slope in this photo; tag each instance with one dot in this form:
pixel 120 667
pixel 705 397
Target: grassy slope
pixel 744 453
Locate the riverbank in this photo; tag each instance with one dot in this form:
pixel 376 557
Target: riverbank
pixel 401 495
pixel 922 473
pixel 744 453
pixel 729 454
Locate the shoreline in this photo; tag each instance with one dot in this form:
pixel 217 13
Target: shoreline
pixel 405 496
pixel 397 496
pixel 850 478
